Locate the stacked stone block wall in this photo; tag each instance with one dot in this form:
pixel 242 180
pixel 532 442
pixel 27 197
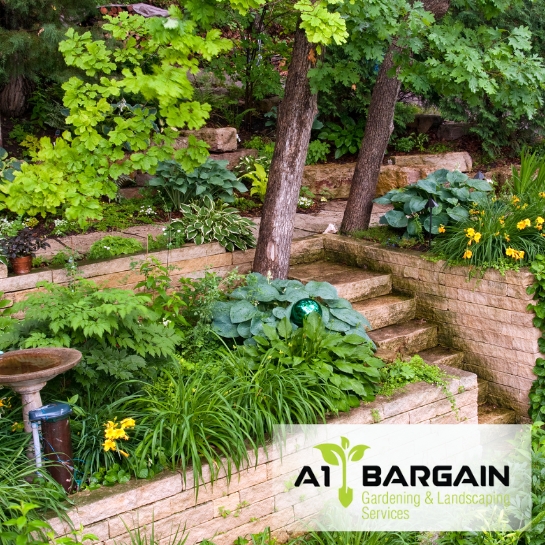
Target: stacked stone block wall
pixel 253 499
pixel 484 317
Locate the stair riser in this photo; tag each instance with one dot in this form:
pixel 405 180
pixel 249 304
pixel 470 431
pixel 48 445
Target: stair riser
pixel 455 360
pixel 390 314
pixel 407 344
pixel 483 391
pixel 503 417
pixel 364 289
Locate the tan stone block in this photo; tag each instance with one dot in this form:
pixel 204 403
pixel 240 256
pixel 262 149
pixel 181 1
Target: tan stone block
pixel 358 415
pixel 487 299
pixel 66 524
pixel 24 281
pixel 188 518
pixel 240 257
pixel 489 313
pixel 520 319
pixel 412 396
pixel 525 345
pixel 218 140
pixel 99 529
pixel 429 411
pixel 463 416
pixel 425 300
pixel 118 280
pixel 402 418
pixel 523 278
pixel 3 271
pixel 405 285
pixel 223 507
pixel 410 272
pixel 166 484
pixel 99 504
pixel 428 276
pixel 449 278
pixel 519 292
pixel 456 160
pixel 480 335
pixel 263 490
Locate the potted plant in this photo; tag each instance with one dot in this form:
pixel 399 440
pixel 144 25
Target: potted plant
pixel 21 248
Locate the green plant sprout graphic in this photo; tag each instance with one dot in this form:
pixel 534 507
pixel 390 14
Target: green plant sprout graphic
pixel 337 455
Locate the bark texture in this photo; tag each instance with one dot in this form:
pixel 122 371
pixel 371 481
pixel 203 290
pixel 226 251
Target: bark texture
pixel 14 95
pixel 379 127
pixel 295 116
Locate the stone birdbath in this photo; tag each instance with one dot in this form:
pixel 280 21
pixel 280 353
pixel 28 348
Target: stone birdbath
pixel 27 372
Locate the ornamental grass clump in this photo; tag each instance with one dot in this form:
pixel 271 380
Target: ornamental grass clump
pixel 500 233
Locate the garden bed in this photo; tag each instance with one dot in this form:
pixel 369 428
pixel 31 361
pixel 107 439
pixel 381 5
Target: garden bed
pixel 253 499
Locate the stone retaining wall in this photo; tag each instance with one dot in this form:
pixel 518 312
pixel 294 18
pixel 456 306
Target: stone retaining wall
pixel 486 318
pixel 253 500
pixel 190 261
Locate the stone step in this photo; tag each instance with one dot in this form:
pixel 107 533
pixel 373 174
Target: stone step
pixel 490 414
pixel 352 283
pixel 439 355
pixel 406 339
pixel 387 310
pixel 483 391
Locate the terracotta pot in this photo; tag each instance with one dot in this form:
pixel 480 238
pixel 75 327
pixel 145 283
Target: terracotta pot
pixel 21 265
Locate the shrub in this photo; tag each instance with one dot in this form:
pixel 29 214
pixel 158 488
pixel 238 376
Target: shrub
pixel 498 233
pixel 344 361
pixel 212 180
pixel 24 243
pixel 111 246
pixel 346 138
pixel 405 144
pixel 453 192
pixel 119 336
pixel 317 152
pixel 213 222
pixel 261 302
pixel 259 178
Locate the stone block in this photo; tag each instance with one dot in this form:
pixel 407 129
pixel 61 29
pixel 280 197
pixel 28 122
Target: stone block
pixel 98 505
pixel 166 484
pixel 3 271
pixel 226 505
pixel 99 529
pixel 451 161
pixel 218 140
pixel 453 131
pixel 24 281
pixel 402 418
pixel 487 299
pixel 233 157
pixel 240 257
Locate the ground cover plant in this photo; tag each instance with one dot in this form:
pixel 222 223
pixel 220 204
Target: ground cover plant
pixel 112 246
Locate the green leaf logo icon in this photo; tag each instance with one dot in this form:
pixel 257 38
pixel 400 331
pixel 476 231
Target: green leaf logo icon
pixel 336 455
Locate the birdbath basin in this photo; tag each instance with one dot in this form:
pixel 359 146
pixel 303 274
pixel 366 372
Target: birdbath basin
pixel 27 372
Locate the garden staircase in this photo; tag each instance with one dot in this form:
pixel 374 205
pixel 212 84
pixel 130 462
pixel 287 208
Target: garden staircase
pixel 395 328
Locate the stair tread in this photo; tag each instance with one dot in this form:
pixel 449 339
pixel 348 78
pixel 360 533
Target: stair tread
pixel 399 330
pixel 382 301
pixel 438 354
pixel 320 270
pixel 490 414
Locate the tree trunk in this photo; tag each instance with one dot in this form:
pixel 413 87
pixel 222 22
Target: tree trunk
pixel 379 127
pixel 295 116
pixel 14 95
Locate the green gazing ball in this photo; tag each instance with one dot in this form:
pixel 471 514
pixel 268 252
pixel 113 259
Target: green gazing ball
pixel 302 309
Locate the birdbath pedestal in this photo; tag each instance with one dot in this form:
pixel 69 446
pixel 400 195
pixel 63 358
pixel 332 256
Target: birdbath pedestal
pixel 27 372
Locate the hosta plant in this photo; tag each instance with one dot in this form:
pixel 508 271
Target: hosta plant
pixel 212 179
pixel 214 222
pixel 346 361
pixel 452 191
pixel 261 302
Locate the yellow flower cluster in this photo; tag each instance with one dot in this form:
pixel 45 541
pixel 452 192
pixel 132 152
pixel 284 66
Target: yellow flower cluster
pixel 523 224
pixel 542 194
pixel 441 228
pixel 115 431
pixel 17 426
pixel 515 254
pixel 473 236
pixel 539 223
pixel 467 254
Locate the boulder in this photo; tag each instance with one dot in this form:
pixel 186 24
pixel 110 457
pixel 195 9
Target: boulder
pixel 459 160
pixel 219 140
pixel 333 179
pixel 233 156
pixel 424 122
pixel 452 131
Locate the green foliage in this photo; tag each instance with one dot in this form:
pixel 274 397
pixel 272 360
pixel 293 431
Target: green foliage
pixel 537 393
pixel 121 215
pixel 11 228
pixel 119 336
pixel 245 205
pixel 24 528
pixel 111 246
pixel 188 423
pixel 257 142
pixel 61 259
pixel 452 191
pixel 24 243
pixel 261 302
pixel 317 152
pixel 344 361
pixel 528 181
pixel 408 143
pixel 259 178
pixel 212 179
pixel 214 222
pixel 499 232
pixel 8 167
pixel 346 137
pixel 399 374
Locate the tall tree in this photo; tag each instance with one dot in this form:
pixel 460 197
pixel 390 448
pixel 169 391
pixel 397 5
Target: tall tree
pixel 454 60
pixel 295 116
